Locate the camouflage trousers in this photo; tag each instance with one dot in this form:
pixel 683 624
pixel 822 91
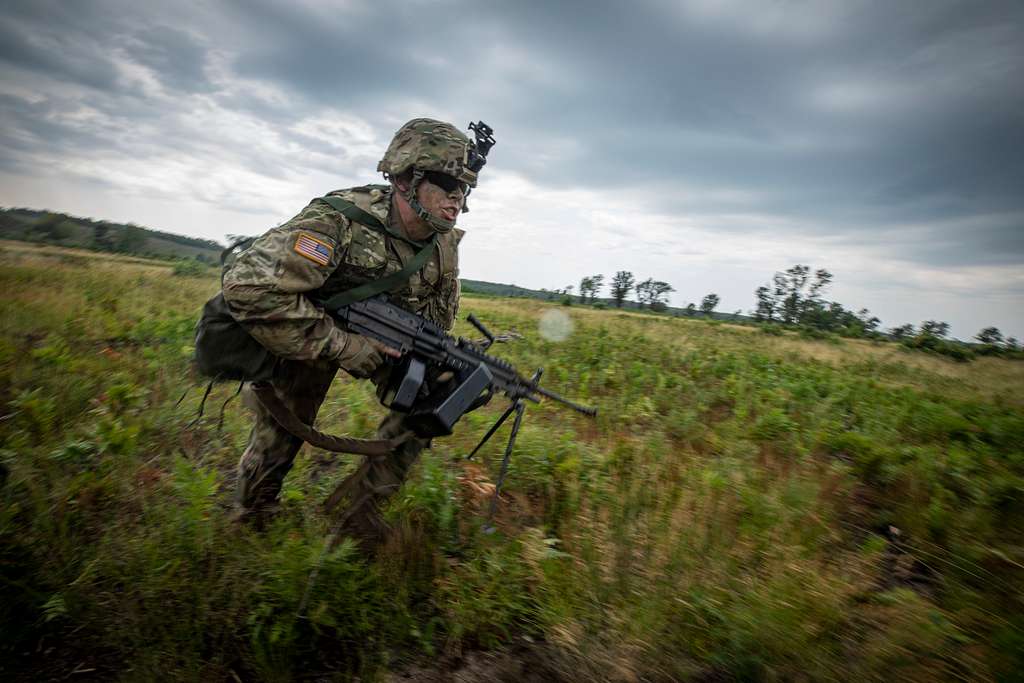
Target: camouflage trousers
pixel 302 386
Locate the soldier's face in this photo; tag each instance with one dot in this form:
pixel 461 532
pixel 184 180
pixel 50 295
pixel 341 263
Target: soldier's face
pixel 441 195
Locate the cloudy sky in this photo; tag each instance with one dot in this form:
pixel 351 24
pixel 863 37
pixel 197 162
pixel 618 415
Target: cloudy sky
pixel 707 143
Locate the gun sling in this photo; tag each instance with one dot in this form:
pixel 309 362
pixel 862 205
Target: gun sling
pixel 290 422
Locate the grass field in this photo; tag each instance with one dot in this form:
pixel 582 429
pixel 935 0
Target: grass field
pixel 746 506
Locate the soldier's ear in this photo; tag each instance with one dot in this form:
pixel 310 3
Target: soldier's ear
pixel 404 181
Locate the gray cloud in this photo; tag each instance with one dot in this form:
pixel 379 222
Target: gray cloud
pixel 859 123
pixel 178 57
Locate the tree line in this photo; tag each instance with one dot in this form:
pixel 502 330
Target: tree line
pixel 795 299
pixel 648 294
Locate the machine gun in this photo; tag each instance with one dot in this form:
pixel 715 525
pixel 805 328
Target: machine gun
pixel 427 349
pixel 415 385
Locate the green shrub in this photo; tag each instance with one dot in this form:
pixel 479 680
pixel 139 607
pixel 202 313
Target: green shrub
pixel 190 268
pixel 814 333
pixel 926 342
pixel 772 426
pixel 957 352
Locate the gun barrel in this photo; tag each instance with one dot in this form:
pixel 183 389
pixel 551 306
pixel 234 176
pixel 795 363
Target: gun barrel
pixel 561 399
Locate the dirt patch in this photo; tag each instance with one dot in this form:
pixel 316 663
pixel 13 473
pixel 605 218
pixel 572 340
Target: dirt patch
pixel 524 662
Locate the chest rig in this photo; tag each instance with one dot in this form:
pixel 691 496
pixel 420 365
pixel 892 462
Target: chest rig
pixel 378 251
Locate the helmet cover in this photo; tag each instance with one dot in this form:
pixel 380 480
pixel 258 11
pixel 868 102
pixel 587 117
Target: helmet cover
pixel 429 145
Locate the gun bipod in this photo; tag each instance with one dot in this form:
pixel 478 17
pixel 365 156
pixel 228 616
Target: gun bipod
pixel 518 407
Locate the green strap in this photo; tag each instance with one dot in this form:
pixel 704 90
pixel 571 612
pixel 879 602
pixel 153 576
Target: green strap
pixel 354 213
pixel 368 290
pixel 365 291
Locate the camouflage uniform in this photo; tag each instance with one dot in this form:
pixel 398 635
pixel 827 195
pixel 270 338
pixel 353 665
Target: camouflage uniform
pixel 273 289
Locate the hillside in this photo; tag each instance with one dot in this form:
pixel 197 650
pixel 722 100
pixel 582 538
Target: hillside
pixel 502 290
pixel 63 230
pixel 746 506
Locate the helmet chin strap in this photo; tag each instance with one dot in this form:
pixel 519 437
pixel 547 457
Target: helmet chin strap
pixel 438 224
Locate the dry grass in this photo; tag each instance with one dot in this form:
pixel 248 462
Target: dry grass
pixel 987 376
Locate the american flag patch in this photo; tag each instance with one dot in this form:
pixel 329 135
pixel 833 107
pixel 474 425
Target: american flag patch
pixel 313 249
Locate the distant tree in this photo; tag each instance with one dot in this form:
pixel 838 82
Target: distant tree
pixel 585 285
pixel 708 304
pixel 1011 344
pixel 868 322
pixel 794 297
pixel 691 309
pixel 589 286
pixel 902 332
pixel 52 227
pixel 789 287
pixel 813 301
pixel 765 310
pixel 621 285
pixel 822 279
pixel 643 292
pixel 835 317
pixel 131 239
pixel 846 323
pixel 103 237
pixel 653 293
pixel 659 293
pixel 991 336
pixel 934 328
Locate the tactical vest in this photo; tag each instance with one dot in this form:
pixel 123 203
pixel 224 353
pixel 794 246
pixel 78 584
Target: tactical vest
pixel 419 277
pixel 377 251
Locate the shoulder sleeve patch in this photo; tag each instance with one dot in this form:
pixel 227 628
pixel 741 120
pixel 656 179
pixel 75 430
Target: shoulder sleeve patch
pixel 315 250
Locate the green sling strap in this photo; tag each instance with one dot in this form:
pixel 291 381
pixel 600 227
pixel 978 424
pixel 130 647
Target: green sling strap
pixel 354 213
pixel 365 291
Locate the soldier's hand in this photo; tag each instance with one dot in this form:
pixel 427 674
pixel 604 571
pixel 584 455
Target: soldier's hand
pixel 362 355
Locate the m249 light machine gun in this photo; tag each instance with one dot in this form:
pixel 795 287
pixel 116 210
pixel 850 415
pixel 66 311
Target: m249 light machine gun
pixel 440 378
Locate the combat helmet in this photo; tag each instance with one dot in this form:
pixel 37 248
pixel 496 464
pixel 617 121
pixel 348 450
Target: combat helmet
pixel 426 145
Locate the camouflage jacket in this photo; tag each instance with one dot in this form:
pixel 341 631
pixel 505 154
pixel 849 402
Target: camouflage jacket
pixel 273 287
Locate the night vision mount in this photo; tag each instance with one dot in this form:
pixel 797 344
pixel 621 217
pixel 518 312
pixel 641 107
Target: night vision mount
pixel 478 151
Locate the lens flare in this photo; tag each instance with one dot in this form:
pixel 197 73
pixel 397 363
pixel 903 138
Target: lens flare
pixel 555 326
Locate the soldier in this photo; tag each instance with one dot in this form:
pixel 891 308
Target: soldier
pixel 273 288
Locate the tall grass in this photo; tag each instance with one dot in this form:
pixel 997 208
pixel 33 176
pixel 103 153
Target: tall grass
pixel 745 506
